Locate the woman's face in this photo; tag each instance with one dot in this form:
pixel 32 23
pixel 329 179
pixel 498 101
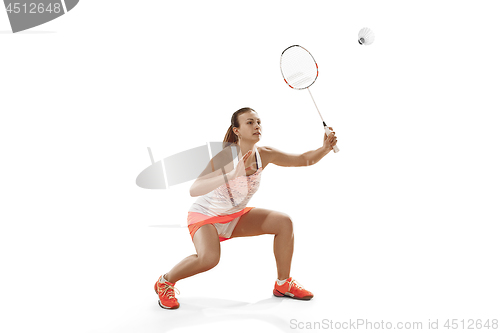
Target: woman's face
pixel 250 126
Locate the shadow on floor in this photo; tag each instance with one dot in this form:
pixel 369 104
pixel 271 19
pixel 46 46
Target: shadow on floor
pixel 195 312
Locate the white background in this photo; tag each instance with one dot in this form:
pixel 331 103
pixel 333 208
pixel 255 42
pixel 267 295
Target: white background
pixel 400 225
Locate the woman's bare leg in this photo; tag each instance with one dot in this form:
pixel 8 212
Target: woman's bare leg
pixel 207 244
pixel 260 221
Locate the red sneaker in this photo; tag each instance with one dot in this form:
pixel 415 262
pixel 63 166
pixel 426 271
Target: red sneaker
pixel 166 292
pixel 293 289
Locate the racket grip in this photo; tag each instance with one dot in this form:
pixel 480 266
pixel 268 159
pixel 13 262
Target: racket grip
pixel 327 131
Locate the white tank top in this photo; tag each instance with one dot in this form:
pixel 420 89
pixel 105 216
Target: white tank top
pixel 231 197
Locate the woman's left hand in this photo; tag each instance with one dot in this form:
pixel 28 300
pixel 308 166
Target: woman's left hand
pixel 330 140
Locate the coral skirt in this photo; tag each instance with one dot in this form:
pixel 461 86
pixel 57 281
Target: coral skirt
pixel 223 223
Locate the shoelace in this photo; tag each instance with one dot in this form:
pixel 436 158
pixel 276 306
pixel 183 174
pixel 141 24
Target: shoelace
pixel 295 283
pixel 168 290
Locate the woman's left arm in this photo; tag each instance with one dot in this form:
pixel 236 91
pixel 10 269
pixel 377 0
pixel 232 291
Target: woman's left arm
pixel 308 158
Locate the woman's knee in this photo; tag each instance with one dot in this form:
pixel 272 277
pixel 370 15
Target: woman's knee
pixel 206 241
pixel 285 223
pixel 209 261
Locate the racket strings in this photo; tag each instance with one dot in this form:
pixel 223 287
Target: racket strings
pixel 303 81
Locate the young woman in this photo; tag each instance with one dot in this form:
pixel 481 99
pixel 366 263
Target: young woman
pixel 221 211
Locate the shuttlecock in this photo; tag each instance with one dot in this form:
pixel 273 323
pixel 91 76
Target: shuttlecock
pixel 366 36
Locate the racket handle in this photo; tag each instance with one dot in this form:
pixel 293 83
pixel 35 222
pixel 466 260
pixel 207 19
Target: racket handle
pixel 327 131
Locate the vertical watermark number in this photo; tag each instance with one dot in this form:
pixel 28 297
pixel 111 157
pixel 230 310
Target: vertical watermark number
pixel 34 8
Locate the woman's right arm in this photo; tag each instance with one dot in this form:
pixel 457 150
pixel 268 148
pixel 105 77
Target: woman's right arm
pixel 210 178
pixel 208 183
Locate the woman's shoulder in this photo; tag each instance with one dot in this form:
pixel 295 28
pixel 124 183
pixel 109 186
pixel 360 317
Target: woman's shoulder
pixel 264 149
pixel 265 155
pixel 267 150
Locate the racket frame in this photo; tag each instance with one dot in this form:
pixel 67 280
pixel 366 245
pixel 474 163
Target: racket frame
pixel 283 74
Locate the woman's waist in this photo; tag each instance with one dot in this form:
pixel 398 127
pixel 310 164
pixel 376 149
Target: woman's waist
pixel 197 216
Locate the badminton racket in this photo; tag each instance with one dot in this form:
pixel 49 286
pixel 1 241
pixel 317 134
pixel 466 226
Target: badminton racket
pixel 300 71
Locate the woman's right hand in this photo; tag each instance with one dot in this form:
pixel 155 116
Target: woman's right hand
pixel 240 169
pixel 329 141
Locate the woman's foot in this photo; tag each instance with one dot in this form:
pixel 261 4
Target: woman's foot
pixel 293 289
pixel 166 292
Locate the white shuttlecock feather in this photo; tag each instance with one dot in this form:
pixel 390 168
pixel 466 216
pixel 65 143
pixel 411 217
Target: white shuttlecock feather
pixel 366 36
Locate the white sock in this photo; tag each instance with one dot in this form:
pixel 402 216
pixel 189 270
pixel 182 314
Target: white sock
pixel 280 282
pixel 162 280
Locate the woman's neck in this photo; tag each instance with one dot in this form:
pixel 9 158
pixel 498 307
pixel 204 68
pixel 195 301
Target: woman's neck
pixel 246 146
